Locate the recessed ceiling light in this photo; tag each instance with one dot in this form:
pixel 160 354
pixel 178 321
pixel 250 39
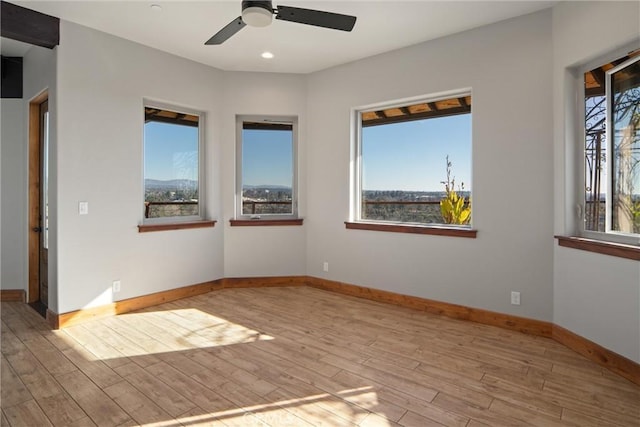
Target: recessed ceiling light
pixel 156 8
pixel 267 55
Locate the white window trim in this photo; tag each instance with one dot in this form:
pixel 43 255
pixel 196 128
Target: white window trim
pixel 356 169
pixel 293 121
pixel 608 235
pixel 201 164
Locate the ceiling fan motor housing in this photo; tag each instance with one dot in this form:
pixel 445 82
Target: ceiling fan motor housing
pixel 257 13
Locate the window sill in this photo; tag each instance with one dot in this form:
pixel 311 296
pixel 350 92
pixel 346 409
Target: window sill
pixel 264 222
pixel 414 229
pixel 598 246
pixel 145 228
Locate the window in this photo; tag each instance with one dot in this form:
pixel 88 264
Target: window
pixel 611 197
pixel 266 168
pixel 413 162
pixel 173 159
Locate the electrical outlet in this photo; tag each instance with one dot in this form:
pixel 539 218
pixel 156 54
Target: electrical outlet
pixel 116 286
pixel 515 298
pixel 325 266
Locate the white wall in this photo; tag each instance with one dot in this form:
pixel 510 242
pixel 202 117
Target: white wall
pixel 508 67
pixel 102 81
pixel 595 296
pixel 13 195
pixel 275 250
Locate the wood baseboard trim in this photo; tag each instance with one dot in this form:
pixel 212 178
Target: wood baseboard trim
pixel 506 321
pixel 18 295
pixel 606 358
pixel 264 282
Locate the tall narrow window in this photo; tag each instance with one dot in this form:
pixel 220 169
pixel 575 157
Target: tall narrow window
pixel 414 162
pixel 172 164
pixel 612 150
pixel 266 167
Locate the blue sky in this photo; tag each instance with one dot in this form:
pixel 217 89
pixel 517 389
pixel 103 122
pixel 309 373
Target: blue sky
pixel 170 151
pixel 267 157
pixel 407 156
pixel 410 156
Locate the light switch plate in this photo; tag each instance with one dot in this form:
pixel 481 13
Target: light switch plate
pixel 83 208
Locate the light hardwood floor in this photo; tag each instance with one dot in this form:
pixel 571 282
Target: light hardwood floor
pixel 297 357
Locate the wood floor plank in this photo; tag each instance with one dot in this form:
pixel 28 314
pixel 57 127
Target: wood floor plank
pixel 528 398
pixel 389 377
pixel 13 391
pixel 61 409
pixel 375 420
pixel 95 402
pixel 402 401
pixel 33 375
pixel 48 355
pixel 166 397
pixel 191 389
pixel 103 350
pixel 26 414
pixel 82 422
pixel 138 406
pixel 196 417
pixel 584 420
pixel 310 410
pixel 411 419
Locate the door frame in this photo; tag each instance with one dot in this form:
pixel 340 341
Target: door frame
pixel 35 126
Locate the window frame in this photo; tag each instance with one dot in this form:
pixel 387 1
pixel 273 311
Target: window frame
pixel 612 236
pixel 278 219
pixel 356 170
pixel 191 219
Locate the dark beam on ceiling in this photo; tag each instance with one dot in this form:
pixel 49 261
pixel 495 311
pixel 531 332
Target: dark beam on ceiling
pixel 29 26
pixel 433 106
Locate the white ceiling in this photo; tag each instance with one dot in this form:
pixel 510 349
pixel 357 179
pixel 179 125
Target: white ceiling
pixel 182 27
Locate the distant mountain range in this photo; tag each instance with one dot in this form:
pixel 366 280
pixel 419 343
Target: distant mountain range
pixel 266 187
pixel 181 184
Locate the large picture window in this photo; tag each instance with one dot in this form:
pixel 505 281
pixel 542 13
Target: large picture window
pixel 173 184
pixel 612 151
pixel 414 162
pixel 266 167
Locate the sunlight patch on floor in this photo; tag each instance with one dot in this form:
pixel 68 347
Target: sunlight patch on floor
pixel 162 331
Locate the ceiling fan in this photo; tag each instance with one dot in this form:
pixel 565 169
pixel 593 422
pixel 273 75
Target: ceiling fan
pixel 260 14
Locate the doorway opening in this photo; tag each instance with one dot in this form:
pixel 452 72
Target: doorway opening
pixel 38 295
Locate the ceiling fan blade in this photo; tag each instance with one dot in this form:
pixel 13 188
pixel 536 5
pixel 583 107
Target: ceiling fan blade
pixel 230 29
pixel 318 18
